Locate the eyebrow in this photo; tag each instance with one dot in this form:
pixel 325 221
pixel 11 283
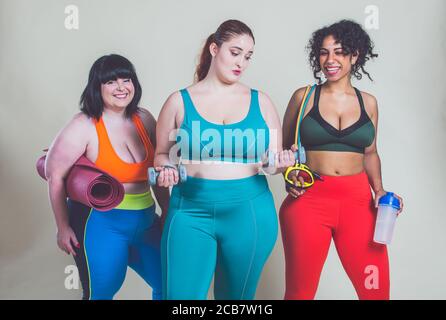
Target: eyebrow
pixel 235 47
pixel 338 48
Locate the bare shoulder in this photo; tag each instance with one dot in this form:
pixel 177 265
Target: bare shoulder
pixel 81 118
pixel 265 101
pixel 149 123
pixel 72 140
pixel 299 93
pixel 144 113
pixel 146 116
pixel 173 102
pixel 370 103
pixel 172 111
pixel 80 124
pixel 295 102
pixel 268 110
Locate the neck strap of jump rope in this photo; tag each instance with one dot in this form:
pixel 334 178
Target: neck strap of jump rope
pixel 303 105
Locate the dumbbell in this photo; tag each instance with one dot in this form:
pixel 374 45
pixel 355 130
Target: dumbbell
pixel 153 174
pixel 269 160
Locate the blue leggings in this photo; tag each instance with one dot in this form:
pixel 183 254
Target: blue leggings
pixel 226 227
pixel 128 235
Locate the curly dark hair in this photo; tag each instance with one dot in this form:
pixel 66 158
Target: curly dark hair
pixel 353 39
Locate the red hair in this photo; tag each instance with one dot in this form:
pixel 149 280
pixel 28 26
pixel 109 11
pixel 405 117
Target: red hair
pixel 225 32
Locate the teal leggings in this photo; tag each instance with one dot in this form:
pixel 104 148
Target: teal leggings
pixel 226 227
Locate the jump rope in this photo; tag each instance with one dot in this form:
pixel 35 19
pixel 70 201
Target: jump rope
pixel 304 171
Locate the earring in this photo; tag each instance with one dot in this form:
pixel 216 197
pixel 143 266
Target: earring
pixel 321 75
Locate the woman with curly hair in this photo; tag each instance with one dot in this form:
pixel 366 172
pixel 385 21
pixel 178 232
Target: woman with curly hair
pixel 338 132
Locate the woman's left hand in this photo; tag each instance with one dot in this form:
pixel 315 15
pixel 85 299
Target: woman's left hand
pixel 382 193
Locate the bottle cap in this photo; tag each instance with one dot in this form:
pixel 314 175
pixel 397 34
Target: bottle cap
pixel 390 200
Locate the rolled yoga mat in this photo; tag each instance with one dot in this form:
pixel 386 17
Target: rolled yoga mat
pixel 89 185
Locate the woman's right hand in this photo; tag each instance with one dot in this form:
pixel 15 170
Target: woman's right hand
pixel 167 176
pixel 66 239
pixel 295 191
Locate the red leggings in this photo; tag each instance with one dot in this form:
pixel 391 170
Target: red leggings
pixel 340 207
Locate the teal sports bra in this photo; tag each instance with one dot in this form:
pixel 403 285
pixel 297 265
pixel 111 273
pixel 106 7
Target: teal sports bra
pixel 317 134
pixel 245 141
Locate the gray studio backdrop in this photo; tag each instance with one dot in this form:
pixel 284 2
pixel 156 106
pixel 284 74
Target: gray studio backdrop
pixel 44 64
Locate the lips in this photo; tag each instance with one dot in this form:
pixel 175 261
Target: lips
pixel 236 72
pixel 121 95
pixel 331 71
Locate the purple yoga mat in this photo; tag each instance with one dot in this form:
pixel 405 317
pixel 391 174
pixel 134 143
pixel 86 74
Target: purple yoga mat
pixel 89 185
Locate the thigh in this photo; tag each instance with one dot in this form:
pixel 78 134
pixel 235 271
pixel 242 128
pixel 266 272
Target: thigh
pixel 188 250
pixel 106 253
pixel 365 261
pixel 145 255
pixel 246 234
pixel 306 225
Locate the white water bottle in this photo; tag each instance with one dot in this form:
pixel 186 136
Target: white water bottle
pixel 388 207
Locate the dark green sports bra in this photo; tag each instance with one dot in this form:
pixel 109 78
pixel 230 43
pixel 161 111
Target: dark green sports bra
pixel 318 134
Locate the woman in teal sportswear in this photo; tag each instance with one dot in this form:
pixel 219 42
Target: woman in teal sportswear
pixel 222 219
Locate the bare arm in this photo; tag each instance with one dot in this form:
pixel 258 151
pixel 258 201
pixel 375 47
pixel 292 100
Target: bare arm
pixel 372 162
pixel 289 131
pixel 165 140
pixel 67 147
pixel 285 158
pixel 290 118
pixel 161 194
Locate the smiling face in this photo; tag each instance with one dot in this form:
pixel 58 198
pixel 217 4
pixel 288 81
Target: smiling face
pixel 334 61
pixel 232 58
pixel 117 93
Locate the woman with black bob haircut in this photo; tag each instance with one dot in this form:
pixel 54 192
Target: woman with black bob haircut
pixel 338 132
pixel 118 137
pixel 106 68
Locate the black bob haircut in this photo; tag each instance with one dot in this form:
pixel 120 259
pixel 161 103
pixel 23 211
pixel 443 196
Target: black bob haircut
pixel 353 39
pixel 106 68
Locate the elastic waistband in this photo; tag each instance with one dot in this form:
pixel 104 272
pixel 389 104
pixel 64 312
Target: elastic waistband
pixel 342 186
pixel 357 176
pixel 136 201
pixel 205 190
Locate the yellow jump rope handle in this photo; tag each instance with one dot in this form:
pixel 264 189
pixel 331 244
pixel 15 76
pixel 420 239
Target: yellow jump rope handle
pixel 300 166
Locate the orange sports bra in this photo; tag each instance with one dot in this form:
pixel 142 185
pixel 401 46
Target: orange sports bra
pixel 109 161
